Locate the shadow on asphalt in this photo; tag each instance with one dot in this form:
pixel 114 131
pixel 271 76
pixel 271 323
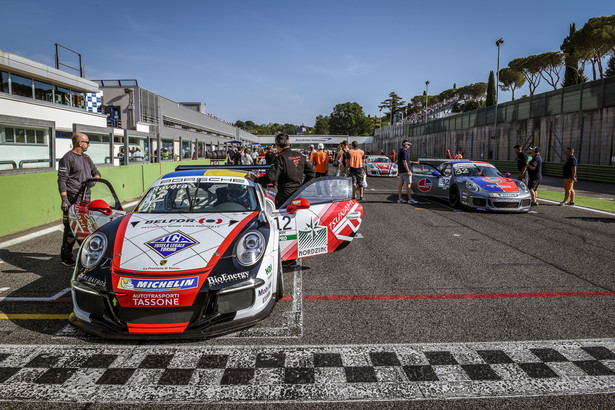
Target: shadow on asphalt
pixel 592 219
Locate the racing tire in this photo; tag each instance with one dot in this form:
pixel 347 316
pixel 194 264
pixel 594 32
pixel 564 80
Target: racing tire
pixel 454 199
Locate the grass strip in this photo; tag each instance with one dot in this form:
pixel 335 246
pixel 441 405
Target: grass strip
pixel 580 200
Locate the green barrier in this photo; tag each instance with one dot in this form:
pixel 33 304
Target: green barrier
pixel 31 200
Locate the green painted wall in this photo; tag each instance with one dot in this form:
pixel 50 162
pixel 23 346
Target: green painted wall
pixel 31 200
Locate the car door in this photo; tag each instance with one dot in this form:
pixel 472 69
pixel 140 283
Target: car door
pixel 426 180
pixel 97 205
pixel 321 217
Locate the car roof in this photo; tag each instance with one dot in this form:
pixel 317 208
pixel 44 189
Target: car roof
pixel 483 163
pixel 207 172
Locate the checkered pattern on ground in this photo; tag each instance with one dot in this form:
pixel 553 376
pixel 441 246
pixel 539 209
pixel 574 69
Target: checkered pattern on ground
pixel 305 373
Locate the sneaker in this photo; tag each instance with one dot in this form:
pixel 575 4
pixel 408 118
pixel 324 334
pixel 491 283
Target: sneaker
pixel 570 204
pixel 534 203
pixel 68 262
pixel 401 201
pixel 562 203
pixel 413 202
pixel 361 198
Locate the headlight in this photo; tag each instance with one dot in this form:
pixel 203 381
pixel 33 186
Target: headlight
pixel 250 248
pixel 472 186
pixel 93 249
pixel 522 186
pixel 394 167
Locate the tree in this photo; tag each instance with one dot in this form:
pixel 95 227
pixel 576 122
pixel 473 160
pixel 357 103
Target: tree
pixel 240 124
pixel 474 92
pixel 571 59
pixel 595 41
pixel 490 90
pixel 321 125
pixel 530 67
pixel 394 104
pixel 348 119
pixel 550 67
pixel 511 80
pixel 610 67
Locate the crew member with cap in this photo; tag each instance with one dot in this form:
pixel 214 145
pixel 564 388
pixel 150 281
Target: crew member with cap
pixel 534 170
pixel 321 160
pixel 74 169
pixel 405 173
pixel 288 169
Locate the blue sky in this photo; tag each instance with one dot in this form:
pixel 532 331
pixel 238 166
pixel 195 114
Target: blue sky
pixel 289 61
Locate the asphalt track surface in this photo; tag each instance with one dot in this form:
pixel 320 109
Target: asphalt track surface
pixel 429 307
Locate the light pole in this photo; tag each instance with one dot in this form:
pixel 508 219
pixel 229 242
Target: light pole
pixel 498 43
pixel 380 117
pixel 426 101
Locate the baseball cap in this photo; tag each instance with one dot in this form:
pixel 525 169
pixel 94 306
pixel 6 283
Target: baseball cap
pixel 406 142
pixel 321 146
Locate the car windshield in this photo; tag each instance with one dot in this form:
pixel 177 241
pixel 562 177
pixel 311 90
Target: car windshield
pixel 488 171
pixel 385 160
pixel 199 197
pixel 465 170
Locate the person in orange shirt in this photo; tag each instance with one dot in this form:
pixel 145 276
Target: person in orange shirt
pixel 458 155
pixel 321 160
pixel 356 169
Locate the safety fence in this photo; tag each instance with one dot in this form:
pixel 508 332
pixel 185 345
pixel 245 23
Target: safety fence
pixel 581 116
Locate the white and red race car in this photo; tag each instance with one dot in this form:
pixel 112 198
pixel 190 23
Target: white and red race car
pixel 202 253
pixel 379 166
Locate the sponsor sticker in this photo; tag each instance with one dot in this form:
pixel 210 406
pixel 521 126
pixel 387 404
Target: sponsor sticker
pixel 313 240
pixel 172 243
pixel 224 278
pixel 152 285
pixel 159 300
pixel 263 291
pixel 268 270
pixel 82 277
pixel 425 185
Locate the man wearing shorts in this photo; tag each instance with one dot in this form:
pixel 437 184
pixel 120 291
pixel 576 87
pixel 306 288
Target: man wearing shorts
pixel 405 173
pixel 570 176
pixel 355 169
pixel 534 170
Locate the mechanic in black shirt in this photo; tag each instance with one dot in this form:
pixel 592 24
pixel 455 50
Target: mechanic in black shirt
pixel 521 164
pixel 288 169
pixel 570 176
pixel 73 170
pixel 269 156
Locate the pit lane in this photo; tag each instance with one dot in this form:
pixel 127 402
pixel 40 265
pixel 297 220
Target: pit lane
pixel 398 290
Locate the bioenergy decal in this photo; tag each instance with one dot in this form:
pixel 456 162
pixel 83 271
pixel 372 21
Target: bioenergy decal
pixel 313 239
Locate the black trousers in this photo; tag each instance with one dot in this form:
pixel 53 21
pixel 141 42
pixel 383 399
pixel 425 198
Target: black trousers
pixel 68 239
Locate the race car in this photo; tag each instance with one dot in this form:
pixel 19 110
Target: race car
pixel 477 185
pixel 202 253
pixel 379 166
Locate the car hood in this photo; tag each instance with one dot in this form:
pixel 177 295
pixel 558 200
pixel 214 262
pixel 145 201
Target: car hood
pixel 175 243
pixel 495 184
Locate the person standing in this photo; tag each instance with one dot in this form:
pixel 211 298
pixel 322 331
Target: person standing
pixel 521 164
pixel 246 158
pixel 290 170
pixel 448 154
pixel 269 156
pixel 570 176
pixel 74 169
pixel 229 155
pixel 254 157
pixel 355 169
pixel 237 156
pixel 321 161
pixel 405 173
pixel 534 170
pixel 458 155
pixel 393 156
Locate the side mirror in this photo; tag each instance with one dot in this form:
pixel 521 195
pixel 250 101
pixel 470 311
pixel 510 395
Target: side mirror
pixel 297 204
pixel 436 174
pixel 508 175
pixel 100 206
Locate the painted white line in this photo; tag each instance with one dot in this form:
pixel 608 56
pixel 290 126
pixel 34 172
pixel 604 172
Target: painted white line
pixel 580 207
pixel 3 289
pixel 358 236
pixel 31 236
pixel 32 299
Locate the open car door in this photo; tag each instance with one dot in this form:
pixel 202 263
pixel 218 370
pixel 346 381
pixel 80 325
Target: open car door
pixel 321 217
pixel 96 205
pixel 427 180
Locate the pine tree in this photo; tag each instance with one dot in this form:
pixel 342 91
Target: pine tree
pixel 490 90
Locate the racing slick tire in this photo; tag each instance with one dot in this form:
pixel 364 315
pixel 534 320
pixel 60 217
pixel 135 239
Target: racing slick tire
pixel 454 198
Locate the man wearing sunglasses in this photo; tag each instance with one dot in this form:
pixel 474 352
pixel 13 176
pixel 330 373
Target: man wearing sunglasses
pixel 73 170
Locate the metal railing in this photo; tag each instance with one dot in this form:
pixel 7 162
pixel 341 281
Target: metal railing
pixel 9 163
pixel 32 161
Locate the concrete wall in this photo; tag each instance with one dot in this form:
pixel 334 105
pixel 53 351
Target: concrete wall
pixel 30 200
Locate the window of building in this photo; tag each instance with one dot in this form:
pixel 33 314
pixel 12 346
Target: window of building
pixel 166 154
pixel 43 91
pixel 139 148
pixel 4 82
pixel 78 99
pixel 24 147
pixel 62 96
pixel 21 86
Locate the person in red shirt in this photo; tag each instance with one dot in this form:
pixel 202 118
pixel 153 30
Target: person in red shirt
pixel 321 161
pixel 393 156
pixel 448 154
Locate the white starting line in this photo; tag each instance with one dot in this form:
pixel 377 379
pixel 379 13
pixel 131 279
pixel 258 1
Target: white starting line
pixel 33 299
